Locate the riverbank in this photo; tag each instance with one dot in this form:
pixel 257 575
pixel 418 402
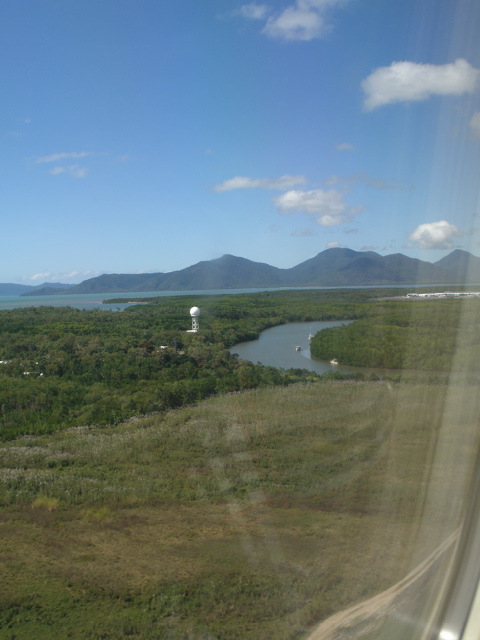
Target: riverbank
pixel 276 347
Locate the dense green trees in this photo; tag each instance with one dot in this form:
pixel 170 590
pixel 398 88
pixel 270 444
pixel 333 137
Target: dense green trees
pixel 62 367
pixel 424 335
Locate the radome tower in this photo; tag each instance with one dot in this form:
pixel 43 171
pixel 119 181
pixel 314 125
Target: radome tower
pixel 194 312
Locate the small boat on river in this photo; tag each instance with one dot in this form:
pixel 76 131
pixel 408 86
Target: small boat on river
pixel 334 361
pixel 298 348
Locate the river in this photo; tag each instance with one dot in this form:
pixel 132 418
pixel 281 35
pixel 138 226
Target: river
pixel 277 347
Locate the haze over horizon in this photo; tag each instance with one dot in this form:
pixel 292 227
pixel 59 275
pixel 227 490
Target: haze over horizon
pixel 144 137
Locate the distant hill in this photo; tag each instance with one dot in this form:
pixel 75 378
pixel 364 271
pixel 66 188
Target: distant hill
pixel 227 272
pixel 330 268
pixel 48 290
pixel 8 289
pixel 463 264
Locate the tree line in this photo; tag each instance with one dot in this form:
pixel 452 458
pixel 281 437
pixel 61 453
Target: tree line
pixel 436 335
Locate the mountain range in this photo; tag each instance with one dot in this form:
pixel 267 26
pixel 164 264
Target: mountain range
pixel 330 268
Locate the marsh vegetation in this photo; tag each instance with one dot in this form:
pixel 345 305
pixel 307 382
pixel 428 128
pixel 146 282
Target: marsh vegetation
pixel 251 515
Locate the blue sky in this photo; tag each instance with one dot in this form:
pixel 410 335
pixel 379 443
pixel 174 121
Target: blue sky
pixel 147 135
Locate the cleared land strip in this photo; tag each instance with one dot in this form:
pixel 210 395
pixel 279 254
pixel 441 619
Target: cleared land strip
pixel 379 605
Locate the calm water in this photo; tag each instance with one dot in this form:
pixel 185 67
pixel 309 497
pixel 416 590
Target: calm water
pixel 276 347
pixel 95 300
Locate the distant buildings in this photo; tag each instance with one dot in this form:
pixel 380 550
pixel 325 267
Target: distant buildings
pixel 445 294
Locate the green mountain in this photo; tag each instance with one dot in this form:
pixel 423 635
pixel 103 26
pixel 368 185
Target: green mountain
pixel 227 272
pixel 463 265
pixel 330 268
pixel 344 267
pixel 113 283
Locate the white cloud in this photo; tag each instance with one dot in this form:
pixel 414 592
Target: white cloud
pixel 435 235
pixel 57 157
pixel 301 20
pixel 475 124
pixel 78 172
pixel 39 276
pixel 345 146
pixel 73 170
pixel 253 11
pixel 333 244
pixel 409 81
pixel 329 207
pixel 242 182
pixel 64 277
pixel 296 23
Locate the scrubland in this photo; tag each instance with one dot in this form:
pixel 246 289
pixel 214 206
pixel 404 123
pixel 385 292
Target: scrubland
pixel 249 515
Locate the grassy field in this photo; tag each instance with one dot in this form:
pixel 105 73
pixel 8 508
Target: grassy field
pixel 251 515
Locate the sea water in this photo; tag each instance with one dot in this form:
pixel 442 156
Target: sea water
pixel 96 300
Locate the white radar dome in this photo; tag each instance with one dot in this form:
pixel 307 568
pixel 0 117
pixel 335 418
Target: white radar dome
pixel 195 311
